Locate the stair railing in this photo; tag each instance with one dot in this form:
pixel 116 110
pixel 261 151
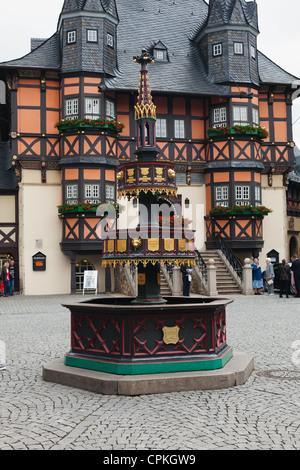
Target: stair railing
pixel 230 256
pixel 201 265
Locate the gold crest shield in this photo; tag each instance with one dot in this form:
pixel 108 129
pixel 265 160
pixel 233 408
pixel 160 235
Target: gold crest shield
pixel 171 334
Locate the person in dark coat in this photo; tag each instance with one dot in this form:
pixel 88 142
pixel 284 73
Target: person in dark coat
pixel 296 271
pixel 6 279
pixel 284 273
pixel 186 279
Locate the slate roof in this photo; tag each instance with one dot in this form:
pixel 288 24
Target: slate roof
pixel 8 178
pixel 142 24
pixel 271 73
pixel 45 56
pixel 174 23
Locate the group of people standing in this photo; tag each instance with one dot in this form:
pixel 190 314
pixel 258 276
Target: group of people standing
pixel 289 274
pixel 7 279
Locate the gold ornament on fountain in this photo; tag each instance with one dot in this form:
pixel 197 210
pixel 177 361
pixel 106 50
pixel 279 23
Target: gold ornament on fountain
pixel 136 242
pixel 171 173
pixel 120 175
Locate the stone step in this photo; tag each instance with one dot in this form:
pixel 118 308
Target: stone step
pixel 226 284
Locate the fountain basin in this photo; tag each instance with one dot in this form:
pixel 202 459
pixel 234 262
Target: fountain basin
pixel 114 335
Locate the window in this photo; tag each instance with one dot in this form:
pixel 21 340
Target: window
pixel 71 108
pixel 253 52
pixel 110 192
pixel 221 196
pixel 159 55
pixel 257 196
pixel 242 195
pixel 92 193
pixel 72 194
pixel 255 117
pixel 179 129
pixel 161 128
pixel 240 116
pixel 71 37
pixel 92 35
pixel 238 48
pixel 220 117
pixel 110 40
pixel 217 50
pixel 92 108
pixel 110 109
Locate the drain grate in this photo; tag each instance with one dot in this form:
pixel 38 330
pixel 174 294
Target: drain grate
pixel 283 374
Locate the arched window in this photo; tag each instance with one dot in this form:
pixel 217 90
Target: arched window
pixel 83 265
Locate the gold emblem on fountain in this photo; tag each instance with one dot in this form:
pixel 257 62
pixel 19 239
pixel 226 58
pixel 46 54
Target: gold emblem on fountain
pixel 171 334
pixel 136 242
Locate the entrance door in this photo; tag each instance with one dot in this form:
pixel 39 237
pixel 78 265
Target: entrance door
pixel 83 265
pixel 294 246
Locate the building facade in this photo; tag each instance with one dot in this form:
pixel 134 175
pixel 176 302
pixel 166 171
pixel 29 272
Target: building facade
pixel 223 117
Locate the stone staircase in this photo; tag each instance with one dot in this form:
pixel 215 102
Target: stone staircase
pixel 226 283
pixel 164 286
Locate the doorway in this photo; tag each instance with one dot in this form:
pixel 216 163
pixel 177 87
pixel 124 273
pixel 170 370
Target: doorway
pixel 83 265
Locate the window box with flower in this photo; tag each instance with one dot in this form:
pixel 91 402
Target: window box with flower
pixel 85 123
pixel 257 131
pixel 239 210
pixel 82 207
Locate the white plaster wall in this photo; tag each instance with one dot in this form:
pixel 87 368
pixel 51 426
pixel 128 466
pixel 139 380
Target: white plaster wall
pixel 275 224
pixel 39 220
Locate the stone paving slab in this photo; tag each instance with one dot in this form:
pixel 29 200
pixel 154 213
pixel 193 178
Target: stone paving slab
pixel 262 414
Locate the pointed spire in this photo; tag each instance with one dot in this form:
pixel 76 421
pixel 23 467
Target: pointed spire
pixel 145 107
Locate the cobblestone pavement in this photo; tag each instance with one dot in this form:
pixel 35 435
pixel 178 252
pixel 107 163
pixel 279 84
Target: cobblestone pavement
pixel 262 414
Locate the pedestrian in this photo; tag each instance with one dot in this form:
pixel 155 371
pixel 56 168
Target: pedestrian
pixel 257 278
pixel 284 273
pixel 12 276
pixel 269 276
pixel 6 279
pixel 186 279
pixel 296 272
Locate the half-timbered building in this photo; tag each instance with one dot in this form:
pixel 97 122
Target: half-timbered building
pixel 224 116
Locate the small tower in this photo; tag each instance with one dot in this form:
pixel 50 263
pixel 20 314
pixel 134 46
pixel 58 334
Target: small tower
pixel 229 42
pixel 88 31
pixel 145 112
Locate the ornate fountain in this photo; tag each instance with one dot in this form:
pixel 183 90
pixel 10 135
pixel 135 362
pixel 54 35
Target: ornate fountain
pixel 149 333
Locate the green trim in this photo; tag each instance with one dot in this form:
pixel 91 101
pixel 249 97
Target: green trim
pixel 148 368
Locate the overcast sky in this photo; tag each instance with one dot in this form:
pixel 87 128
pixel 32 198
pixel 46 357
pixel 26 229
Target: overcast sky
pixel 279 39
